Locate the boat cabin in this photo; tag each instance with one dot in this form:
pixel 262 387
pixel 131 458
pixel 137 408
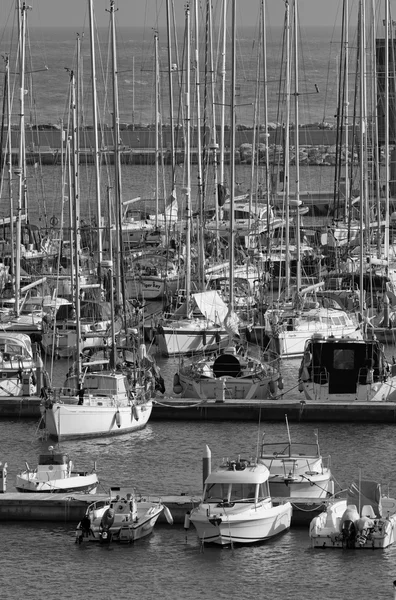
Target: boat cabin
pixel 237 481
pixel 343 363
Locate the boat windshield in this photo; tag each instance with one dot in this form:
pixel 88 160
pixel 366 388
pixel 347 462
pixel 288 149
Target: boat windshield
pixel 236 492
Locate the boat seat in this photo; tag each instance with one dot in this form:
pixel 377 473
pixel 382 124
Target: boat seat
pixel 368 511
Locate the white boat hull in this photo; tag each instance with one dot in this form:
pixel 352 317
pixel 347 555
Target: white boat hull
pixel 308 487
pixel 325 530
pixel 381 391
pixel 246 524
pixel 151 288
pixel 67 421
pixel 29 482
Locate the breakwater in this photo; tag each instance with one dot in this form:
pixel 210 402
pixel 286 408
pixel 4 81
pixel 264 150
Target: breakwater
pixel 137 146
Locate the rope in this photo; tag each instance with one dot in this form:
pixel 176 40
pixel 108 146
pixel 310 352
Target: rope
pixel 173 406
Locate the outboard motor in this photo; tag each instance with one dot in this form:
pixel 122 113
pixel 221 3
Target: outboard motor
pixel 107 522
pixel 348 527
pixel 348 531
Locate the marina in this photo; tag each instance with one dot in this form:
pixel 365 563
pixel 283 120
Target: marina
pixel 177 281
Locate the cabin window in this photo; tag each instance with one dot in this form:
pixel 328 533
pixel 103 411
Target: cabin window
pixel 343 359
pixel 263 491
pixel 242 491
pixel 216 492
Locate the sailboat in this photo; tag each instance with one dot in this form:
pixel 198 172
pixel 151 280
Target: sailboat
pixel 230 372
pixel 107 394
pixel 285 327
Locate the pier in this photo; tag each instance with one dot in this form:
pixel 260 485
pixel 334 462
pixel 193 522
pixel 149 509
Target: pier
pixel 192 409
pixel 70 508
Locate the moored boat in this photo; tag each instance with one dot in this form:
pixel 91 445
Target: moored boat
pixel 365 519
pixel 229 374
pixel 345 369
pixel 54 474
pixel 237 508
pixel 297 469
pixel 121 518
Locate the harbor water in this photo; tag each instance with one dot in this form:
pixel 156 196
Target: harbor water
pixel 166 458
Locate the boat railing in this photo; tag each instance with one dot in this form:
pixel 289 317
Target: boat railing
pixel 320 375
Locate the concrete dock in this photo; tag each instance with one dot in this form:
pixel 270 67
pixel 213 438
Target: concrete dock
pixel 70 508
pixel 273 410
pixel 190 409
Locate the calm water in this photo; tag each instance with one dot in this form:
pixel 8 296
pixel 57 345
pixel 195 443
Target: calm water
pixel 166 458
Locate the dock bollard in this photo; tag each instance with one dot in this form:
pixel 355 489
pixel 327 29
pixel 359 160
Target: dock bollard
pixel 3 477
pixel 206 465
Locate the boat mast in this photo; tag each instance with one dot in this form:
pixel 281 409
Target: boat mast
pixel 157 118
pixel 199 152
pixel 116 141
pixel 287 155
pixel 76 223
pixel 386 237
pixel 21 170
pixel 187 158
pixel 297 150
pixel 95 132
pixel 362 127
pixel 232 158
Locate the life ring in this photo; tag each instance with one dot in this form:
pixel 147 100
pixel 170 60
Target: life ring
pixel 54 221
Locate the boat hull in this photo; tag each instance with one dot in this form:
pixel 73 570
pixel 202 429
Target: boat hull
pixel 222 389
pixel 151 288
pixel 83 484
pixel 312 487
pixel 325 530
pixel 68 421
pixel 127 527
pixel 254 524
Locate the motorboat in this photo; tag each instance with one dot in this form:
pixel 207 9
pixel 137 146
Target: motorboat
pixel 237 508
pixel 121 518
pixel 22 371
pixel 229 374
pixel 285 331
pixel 365 519
pixel 106 399
pixel 54 474
pixel 345 369
pixel 297 469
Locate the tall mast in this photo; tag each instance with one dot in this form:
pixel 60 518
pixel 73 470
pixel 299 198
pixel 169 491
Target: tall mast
pixel 287 154
pixel 117 160
pixel 157 116
pixel 387 25
pixel 199 151
pixel 187 157
pixel 232 157
pixel 22 8
pixel 297 148
pixel 76 220
pixel 95 132
pixel 170 78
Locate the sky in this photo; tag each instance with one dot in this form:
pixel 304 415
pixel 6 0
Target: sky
pixel 151 13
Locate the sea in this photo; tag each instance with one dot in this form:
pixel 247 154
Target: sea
pixel 41 560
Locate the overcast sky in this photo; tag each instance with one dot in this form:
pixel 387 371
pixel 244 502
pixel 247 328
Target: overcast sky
pixel 151 13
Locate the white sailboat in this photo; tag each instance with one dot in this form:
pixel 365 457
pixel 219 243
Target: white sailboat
pixel 102 396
